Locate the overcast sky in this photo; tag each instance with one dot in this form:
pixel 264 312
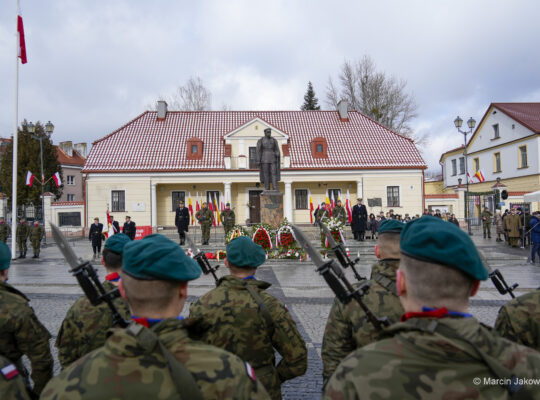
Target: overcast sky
pixel 95 65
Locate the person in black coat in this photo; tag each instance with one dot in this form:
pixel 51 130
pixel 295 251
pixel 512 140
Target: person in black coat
pixel 115 225
pixel 129 228
pixel 359 220
pixel 181 220
pixel 96 236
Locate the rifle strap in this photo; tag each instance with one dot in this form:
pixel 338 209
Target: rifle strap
pixel 386 283
pixel 185 383
pixel 496 367
pixel 258 299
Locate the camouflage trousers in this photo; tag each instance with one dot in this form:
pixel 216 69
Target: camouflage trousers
pixel 205 232
pixel 487 227
pixel 21 245
pixel 36 245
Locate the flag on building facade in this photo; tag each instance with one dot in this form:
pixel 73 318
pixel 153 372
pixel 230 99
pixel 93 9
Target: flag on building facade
pixel 348 206
pixel 29 179
pixel 22 43
pixel 56 179
pixel 480 175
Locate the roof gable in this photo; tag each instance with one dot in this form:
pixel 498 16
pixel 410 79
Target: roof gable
pixel 255 129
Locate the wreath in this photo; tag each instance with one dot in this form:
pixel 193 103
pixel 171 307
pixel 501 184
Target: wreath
pixel 235 232
pixel 262 237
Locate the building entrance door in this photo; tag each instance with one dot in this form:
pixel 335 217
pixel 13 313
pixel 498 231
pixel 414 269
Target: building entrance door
pixel 255 206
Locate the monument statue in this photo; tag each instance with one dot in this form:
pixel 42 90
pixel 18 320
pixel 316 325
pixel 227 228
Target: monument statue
pixel 268 158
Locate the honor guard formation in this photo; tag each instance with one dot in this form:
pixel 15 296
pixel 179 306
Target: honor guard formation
pixel 404 332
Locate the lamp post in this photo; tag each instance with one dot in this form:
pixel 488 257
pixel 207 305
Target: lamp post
pixel 49 127
pixel 471 123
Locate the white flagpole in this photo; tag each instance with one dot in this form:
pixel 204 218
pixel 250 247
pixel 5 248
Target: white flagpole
pixel 15 144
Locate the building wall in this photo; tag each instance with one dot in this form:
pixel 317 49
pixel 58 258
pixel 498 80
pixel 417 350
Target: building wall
pixel 76 189
pixel 433 187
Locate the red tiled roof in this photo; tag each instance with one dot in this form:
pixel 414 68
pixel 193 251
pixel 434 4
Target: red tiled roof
pixel 527 114
pixel 146 144
pixel 65 159
pixel 517 193
pixel 68 203
pixel 441 196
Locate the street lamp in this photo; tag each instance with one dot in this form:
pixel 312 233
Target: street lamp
pixel 49 127
pixel 471 123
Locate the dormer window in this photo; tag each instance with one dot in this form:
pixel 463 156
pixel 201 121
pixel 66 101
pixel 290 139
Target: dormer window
pixel 319 148
pixel 194 148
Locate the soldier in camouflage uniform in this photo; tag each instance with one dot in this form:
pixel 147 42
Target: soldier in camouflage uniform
pixel 486 222
pixel 249 322
pixel 438 350
pixel 347 328
pixel 205 218
pixel 155 357
pixel 21 333
pixel 5 230
pixel 36 234
pixel 339 212
pixel 519 320
pixel 11 381
pixel 321 213
pixel 228 219
pixel 85 326
pixel 22 232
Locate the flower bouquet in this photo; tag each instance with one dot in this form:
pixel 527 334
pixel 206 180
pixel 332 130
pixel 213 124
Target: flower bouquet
pixel 235 232
pixel 220 255
pixel 335 226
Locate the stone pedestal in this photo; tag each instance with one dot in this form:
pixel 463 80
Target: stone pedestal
pixel 271 207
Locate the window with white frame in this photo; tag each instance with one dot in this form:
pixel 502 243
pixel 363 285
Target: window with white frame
pixel 522 162
pixel 392 196
pixel 70 180
pixel 454 167
pixel 70 197
pixel 118 200
pixel 461 165
pixel 496 134
pixel 301 199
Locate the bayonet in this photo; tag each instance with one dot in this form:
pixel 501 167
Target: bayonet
pixel 336 279
pixel 87 278
pixel 202 260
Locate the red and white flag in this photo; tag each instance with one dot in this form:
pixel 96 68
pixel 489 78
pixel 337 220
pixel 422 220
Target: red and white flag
pixel 57 180
pixel 348 206
pixel 22 43
pixel 29 178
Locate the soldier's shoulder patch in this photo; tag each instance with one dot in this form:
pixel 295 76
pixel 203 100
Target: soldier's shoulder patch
pixel 250 372
pixel 9 371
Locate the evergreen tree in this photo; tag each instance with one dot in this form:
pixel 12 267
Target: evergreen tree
pixel 29 160
pixel 311 102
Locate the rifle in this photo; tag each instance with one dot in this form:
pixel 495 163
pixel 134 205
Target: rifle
pixel 88 279
pixel 202 260
pixel 340 285
pixel 498 280
pixel 340 252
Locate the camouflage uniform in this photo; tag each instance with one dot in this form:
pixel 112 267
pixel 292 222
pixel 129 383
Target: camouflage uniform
pixel 5 230
pixel 321 215
pixel 36 234
pixel 228 220
pixel 418 363
pixel 205 218
pixel 11 381
pixel 22 233
pixel 486 222
pixel 347 328
pixel 85 327
pixel 519 320
pixel 123 368
pixel 237 324
pixel 22 333
pixel 339 213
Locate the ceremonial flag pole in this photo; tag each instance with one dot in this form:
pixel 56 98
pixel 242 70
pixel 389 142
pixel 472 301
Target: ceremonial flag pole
pixel 20 53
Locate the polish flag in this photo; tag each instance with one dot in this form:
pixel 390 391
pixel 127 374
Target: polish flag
pixel 110 226
pixel 22 43
pixel 348 206
pixel 57 180
pixel 29 179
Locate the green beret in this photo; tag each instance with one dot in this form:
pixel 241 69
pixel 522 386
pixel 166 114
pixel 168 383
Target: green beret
pixel 434 240
pixel 5 256
pixel 243 253
pixel 117 242
pixel 157 258
pixel 391 226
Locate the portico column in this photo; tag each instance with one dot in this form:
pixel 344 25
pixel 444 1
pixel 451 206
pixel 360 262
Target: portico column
pixel 227 191
pixel 153 217
pixel 288 201
pixel 360 188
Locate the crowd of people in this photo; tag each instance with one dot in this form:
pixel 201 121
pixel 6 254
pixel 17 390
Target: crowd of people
pixel 426 272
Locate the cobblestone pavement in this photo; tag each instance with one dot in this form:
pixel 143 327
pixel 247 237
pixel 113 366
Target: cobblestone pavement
pixel 52 290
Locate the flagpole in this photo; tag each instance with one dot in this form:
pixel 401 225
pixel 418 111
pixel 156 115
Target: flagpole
pixel 15 145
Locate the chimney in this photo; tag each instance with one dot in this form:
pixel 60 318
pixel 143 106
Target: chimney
pixel 81 148
pixel 67 147
pixel 343 109
pixel 161 110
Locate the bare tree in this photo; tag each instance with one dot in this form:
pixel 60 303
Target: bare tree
pixel 193 96
pixel 374 94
